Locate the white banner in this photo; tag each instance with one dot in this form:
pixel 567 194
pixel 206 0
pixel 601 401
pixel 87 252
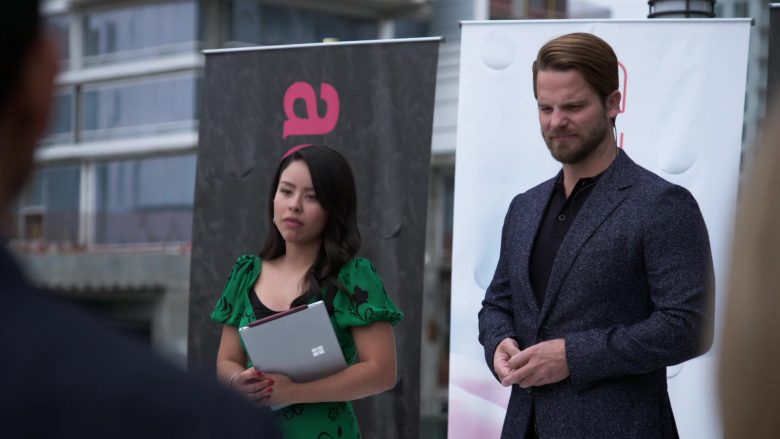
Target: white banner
pixel 683 85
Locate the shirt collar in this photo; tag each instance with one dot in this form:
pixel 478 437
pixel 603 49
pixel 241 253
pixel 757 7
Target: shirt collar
pixel 581 182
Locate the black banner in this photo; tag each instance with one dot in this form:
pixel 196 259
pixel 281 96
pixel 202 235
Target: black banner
pixel 372 101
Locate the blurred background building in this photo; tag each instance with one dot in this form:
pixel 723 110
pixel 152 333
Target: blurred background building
pixel 106 221
pixel 758 62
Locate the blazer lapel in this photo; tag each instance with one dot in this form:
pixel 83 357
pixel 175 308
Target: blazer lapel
pixel 530 221
pixel 605 198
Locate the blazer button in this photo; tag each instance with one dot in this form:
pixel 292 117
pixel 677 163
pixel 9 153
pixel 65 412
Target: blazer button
pixel 561 217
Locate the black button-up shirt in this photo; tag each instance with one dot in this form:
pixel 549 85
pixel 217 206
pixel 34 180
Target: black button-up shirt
pixel 558 216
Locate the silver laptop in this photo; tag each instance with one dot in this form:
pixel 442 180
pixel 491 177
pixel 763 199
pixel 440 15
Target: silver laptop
pixel 299 343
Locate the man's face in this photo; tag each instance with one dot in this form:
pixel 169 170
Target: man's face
pixel 573 119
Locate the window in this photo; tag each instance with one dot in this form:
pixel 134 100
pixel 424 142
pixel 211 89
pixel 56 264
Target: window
pixel 501 9
pixel 140 30
pixel 411 27
pixel 741 9
pixel 436 301
pixel 253 22
pixel 148 106
pixel 145 200
pixel 59 27
pixel 449 206
pixel 546 8
pixel 49 207
pixel 61 122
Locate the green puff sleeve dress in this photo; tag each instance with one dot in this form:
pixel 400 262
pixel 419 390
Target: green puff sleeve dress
pixel 366 303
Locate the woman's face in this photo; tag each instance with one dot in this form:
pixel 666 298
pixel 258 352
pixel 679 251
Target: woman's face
pixel 298 215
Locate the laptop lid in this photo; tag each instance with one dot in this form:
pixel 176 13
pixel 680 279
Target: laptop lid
pixel 299 343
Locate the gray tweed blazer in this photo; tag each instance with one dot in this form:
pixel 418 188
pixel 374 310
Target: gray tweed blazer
pixel 630 292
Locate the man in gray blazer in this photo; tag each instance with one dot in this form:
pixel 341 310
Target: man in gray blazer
pixel 605 271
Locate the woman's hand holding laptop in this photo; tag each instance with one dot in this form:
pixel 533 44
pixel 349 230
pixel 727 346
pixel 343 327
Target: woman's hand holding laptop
pixel 253 384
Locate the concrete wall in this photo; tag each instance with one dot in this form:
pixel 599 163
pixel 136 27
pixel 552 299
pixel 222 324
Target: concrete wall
pixel 140 287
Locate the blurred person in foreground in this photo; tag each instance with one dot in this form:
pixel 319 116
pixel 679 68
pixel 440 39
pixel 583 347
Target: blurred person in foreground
pixel 65 375
pixel 605 271
pixel 750 358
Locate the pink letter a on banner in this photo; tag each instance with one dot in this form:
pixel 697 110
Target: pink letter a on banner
pixel 313 124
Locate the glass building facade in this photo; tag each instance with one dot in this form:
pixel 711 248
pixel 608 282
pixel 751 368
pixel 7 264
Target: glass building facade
pixel 107 217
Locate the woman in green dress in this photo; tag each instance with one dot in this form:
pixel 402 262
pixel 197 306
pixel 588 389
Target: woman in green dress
pixel 309 255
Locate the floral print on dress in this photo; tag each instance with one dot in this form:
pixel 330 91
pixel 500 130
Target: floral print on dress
pixel 364 302
pixel 333 413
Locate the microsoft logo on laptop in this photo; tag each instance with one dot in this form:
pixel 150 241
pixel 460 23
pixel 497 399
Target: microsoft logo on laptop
pixel 319 350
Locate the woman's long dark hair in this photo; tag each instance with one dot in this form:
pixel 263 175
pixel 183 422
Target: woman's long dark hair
pixel 334 185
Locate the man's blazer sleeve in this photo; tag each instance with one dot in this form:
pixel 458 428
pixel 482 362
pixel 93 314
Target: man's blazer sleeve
pixel 496 316
pixel 678 267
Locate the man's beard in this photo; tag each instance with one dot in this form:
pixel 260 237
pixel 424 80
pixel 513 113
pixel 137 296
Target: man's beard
pixel 569 152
